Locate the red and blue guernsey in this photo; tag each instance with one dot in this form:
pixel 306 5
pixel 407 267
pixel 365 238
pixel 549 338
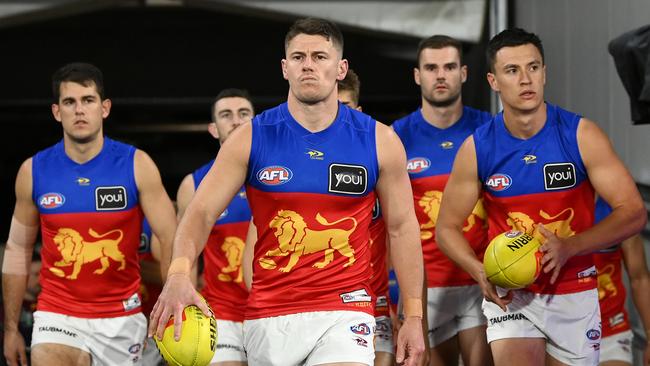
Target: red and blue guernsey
pixel 540 180
pixel 430 152
pixel 611 291
pixel 378 263
pixel 222 257
pixel 90 224
pixel 312 196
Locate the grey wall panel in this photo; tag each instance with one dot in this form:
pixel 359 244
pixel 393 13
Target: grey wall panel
pixel 581 74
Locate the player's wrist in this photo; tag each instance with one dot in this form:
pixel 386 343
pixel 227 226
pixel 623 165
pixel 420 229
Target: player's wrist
pixel 179 266
pixel 412 308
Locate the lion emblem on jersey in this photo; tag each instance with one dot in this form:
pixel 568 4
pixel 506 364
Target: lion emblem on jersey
pixel 430 203
pixel 606 287
pixel 232 248
pixel 296 239
pixel 561 228
pixel 76 251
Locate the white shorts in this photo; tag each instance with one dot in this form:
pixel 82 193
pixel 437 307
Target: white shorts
pixel 150 355
pixel 453 309
pixel 312 338
pixel 617 347
pixel 230 342
pixel 384 335
pixel 570 323
pixel 109 341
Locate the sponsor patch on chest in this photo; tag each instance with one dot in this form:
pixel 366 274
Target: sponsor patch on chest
pixel 110 198
pixel 348 179
pixel 559 176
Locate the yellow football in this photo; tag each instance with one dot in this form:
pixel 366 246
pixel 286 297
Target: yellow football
pixel 198 340
pixel 512 260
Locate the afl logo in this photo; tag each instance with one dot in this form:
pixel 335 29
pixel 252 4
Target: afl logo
pixel 274 175
pixel 512 234
pixel 51 200
pixel 417 165
pixel 593 334
pixel 499 182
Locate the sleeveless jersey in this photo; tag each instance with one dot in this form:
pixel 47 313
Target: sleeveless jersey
pixel 430 152
pixel 378 265
pixel 541 180
pixel 224 288
pixel 611 290
pixel 90 225
pixel 312 196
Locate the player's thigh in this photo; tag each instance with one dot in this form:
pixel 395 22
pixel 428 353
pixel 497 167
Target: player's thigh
pixel 384 358
pixel 445 353
pixel 519 351
pixel 52 354
pixel 473 346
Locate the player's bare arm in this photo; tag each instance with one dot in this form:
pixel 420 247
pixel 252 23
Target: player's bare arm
pixel 217 189
pixel 249 253
pixel 637 270
pixel 459 198
pixel 395 195
pixel 184 195
pixel 17 259
pixel 615 185
pixel 157 206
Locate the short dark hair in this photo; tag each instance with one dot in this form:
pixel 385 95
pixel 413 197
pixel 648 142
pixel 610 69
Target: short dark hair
pixel 437 42
pixel 511 38
pixel 231 93
pixel 352 83
pixel 315 27
pixel 80 73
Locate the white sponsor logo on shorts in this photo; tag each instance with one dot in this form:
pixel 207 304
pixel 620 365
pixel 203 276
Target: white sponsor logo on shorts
pixel 356 296
pixel 132 302
pixel 507 317
pixel 589 272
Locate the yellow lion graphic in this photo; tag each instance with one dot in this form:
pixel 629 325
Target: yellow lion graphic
pixel 561 228
pixel 75 251
pixel 296 239
pixel 233 248
pixel 606 287
pixel 430 203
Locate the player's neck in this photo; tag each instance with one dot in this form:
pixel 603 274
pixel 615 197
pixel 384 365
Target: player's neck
pixel 524 124
pixel 82 152
pixel 442 117
pixel 313 117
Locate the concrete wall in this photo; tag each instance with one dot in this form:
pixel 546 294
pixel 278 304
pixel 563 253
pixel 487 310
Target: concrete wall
pixel 580 72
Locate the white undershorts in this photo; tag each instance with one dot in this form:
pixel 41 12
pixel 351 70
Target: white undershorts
pixel 311 338
pixel 570 323
pixel 617 347
pixel 109 341
pixel 452 310
pixel 230 342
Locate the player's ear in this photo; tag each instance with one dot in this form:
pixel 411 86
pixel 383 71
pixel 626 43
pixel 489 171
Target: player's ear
pixel 212 128
pixel 493 82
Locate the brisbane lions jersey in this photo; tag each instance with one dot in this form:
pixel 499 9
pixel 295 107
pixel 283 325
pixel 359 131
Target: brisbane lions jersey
pixel 540 180
pixel 90 224
pixel 378 261
pixel 430 152
pixel 611 290
pixel 312 196
pixel 222 257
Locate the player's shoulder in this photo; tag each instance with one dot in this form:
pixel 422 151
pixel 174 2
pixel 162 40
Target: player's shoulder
pixel 271 116
pixel 479 117
pixel 357 119
pixel 401 124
